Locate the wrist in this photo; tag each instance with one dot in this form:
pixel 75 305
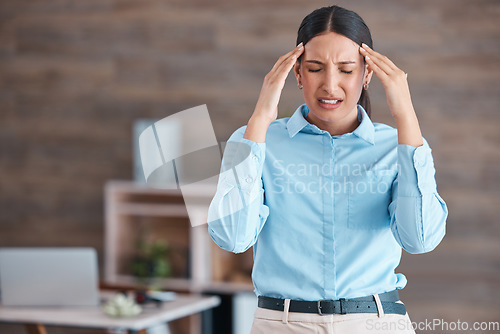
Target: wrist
pixel 256 129
pixel 401 108
pixel 404 115
pixel 260 121
pixel 409 130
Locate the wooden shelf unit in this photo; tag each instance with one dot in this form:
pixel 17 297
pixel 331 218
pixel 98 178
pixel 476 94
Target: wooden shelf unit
pixel 133 210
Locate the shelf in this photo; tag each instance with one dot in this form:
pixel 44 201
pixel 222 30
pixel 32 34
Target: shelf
pixel 182 284
pixel 157 210
pixel 131 209
pixel 136 212
pixel 185 285
pixel 228 287
pixel 131 187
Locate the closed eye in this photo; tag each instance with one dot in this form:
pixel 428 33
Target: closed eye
pixel 346 72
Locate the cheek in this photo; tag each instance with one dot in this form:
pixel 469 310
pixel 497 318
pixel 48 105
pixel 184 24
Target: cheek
pixel 310 84
pixel 307 78
pixel 355 83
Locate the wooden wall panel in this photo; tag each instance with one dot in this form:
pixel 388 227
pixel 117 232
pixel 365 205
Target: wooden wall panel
pixel 74 75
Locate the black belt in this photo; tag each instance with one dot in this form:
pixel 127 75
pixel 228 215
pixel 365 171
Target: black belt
pixel 341 306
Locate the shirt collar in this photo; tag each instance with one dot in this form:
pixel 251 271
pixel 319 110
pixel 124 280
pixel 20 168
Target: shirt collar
pixel 298 122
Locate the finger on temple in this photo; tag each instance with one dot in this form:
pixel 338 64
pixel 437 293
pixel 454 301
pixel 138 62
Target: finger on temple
pixel 376 69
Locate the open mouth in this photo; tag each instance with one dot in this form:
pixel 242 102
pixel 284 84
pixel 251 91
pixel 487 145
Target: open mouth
pixel 330 101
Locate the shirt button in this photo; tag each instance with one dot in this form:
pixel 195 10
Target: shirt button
pixel 249 179
pixel 255 158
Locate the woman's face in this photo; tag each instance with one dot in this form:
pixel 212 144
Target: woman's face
pixel 332 72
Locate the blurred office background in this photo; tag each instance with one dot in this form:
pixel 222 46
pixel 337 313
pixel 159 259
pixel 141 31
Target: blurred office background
pixel 76 75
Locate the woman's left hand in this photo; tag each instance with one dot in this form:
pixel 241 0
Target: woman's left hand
pixel 398 96
pixel 393 79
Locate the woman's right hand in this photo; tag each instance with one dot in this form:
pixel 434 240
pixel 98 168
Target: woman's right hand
pixel 266 110
pixel 267 104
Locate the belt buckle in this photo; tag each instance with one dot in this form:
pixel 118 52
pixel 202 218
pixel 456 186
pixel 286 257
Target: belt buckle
pixel 319 306
pixel 342 306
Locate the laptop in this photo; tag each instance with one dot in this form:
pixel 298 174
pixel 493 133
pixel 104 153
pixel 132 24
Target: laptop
pixel 49 277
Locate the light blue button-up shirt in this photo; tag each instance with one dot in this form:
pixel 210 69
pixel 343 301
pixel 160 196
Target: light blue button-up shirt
pixel 327 216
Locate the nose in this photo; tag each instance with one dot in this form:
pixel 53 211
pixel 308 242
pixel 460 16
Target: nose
pixel 331 81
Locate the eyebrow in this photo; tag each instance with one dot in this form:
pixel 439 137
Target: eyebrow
pixel 344 62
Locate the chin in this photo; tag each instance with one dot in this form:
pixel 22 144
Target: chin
pixel 328 115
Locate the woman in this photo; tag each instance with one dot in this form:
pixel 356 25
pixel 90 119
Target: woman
pixel 327 198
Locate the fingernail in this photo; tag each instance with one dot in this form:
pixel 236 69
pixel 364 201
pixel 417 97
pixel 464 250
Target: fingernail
pixel 363 44
pixel 362 49
pixel 300 44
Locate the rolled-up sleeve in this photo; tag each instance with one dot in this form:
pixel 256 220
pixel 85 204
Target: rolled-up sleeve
pixel 418 213
pixel 237 212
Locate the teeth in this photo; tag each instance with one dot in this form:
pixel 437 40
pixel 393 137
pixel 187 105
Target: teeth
pixel 329 101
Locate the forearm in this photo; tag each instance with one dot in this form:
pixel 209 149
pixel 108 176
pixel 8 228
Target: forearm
pixel 256 129
pixel 423 230
pixel 418 213
pixel 238 226
pixel 408 128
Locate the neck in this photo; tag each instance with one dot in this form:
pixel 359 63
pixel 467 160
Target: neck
pixel 338 127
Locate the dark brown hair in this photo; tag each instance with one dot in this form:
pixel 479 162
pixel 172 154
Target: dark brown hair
pixel 341 21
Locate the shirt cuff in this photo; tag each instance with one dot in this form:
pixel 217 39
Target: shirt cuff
pixel 416 174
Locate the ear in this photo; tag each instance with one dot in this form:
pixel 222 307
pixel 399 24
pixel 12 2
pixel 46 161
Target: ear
pixel 368 74
pixel 296 70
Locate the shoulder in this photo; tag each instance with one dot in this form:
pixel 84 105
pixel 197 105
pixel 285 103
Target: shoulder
pixel 278 126
pixel 389 134
pixel 384 129
pixel 385 134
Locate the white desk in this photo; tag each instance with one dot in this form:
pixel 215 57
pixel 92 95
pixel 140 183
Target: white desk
pixel 35 318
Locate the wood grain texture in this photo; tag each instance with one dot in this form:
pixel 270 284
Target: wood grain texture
pixel 74 75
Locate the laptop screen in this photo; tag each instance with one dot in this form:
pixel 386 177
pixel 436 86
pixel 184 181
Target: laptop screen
pixel 49 277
